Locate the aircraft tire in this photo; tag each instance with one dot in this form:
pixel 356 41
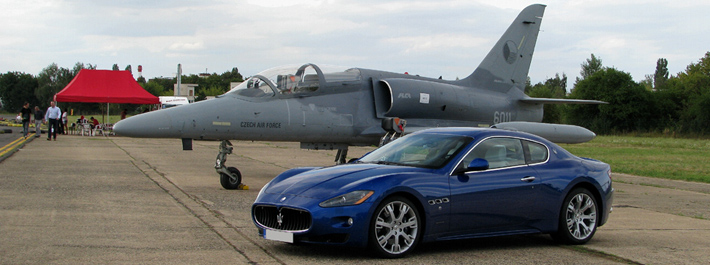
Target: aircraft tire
pixel 229 183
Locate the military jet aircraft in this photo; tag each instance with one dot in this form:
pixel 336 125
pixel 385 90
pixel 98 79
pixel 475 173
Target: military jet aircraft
pixel 333 108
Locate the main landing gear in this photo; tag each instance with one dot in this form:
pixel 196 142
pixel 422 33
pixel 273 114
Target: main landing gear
pixel 394 128
pixel 229 177
pixel 341 155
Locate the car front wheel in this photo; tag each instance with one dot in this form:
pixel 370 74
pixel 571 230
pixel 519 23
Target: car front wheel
pixel 578 218
pixel 394 230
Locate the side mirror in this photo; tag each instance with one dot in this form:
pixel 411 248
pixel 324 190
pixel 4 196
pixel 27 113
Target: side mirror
pixel 478 164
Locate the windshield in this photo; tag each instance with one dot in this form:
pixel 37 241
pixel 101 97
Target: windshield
pixel 293 80
pixel 419 150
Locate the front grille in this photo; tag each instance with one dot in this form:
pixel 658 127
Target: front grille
pixel 283 218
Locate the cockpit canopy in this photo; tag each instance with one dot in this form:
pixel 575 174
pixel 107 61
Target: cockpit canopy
pixel 289 80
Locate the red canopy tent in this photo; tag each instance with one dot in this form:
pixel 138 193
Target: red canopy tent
pixel 105 86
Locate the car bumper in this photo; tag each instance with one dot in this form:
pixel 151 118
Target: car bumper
pixel 346 226
pixel 608 207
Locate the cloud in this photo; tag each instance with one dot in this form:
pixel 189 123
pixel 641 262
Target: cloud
pixel 429 43
pixel 187 46
pixel 433 38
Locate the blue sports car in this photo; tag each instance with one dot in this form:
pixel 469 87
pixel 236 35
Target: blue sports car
pixel 440 184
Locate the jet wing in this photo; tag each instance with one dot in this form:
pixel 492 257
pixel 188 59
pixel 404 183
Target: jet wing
pixel 560 101
pixel 409 130
pixel 377 131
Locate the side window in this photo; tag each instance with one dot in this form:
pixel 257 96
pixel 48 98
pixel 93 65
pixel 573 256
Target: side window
pixel 538 152
pixel 499 152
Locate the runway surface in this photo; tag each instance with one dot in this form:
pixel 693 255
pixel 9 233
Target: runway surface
pixel 91 200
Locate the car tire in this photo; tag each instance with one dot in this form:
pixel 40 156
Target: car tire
pixel 395 228
pixel 228 182
pixel 578 219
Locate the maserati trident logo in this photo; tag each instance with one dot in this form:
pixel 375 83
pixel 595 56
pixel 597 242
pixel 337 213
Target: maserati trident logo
pixel 279 219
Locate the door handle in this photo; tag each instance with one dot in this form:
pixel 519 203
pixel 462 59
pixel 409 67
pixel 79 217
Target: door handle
pixel 528 179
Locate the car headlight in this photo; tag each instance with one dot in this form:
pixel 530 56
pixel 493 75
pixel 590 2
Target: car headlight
pixel 351 198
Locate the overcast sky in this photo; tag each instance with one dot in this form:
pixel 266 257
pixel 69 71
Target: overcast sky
pixel 431 38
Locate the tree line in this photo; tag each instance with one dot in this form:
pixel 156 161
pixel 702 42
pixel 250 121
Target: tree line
pixel 665 104
pixel 661 103
pixel 16 88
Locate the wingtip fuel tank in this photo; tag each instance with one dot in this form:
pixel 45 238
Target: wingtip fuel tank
pixel 558 133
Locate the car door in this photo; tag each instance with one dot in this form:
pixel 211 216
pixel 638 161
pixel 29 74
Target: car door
pixel 500 198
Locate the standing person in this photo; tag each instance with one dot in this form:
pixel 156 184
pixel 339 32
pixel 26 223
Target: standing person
pixel 39 116
pixel 25 113
pixel 64 123
pixel 52 116
pixel 60 126
pixel 123 114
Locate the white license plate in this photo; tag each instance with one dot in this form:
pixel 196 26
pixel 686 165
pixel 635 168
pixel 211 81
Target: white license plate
pixel 278 235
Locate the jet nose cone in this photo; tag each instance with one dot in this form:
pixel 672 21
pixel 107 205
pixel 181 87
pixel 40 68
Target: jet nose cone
pixel 156 124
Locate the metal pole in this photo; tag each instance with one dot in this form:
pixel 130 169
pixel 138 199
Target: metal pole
pixel 179 77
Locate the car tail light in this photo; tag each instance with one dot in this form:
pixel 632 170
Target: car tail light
pixel 609 172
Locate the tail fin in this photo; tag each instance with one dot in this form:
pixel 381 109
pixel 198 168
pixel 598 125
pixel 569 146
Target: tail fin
pixel 509 61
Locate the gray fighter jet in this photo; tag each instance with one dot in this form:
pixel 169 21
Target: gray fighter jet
pixel 333 108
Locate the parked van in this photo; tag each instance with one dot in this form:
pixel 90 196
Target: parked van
pixel 167 102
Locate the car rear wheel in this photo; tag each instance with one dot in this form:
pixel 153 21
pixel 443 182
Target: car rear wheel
pixel 578 218
pixel 394 229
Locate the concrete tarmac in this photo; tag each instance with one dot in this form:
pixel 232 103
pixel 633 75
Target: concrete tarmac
pixel 89 200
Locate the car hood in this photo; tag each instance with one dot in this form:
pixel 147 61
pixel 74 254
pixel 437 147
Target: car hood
pixel 326 182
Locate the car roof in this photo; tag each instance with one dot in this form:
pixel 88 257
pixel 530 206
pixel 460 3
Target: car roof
pixel 480 132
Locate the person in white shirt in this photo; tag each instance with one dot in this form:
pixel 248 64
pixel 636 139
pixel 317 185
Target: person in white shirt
pixel 53 115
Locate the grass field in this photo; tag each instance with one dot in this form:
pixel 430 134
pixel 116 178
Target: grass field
pixel 669 158
pixel 112 119
pixel 70 119
pixel 659 157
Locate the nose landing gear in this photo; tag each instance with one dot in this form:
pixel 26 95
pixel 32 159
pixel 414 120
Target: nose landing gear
pixel 229 177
